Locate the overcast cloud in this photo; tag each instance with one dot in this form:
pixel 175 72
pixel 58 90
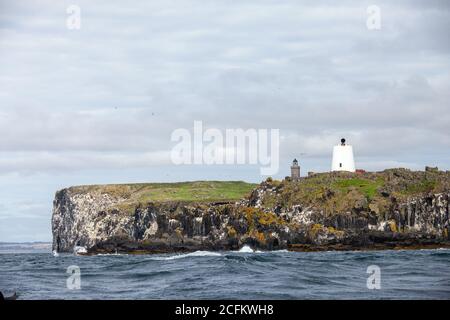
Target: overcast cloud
pixel 98 105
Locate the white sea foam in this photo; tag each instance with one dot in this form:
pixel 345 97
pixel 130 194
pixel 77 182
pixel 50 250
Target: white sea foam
pixel 79 249
pixel 55 253
pixel 191 254
pixel 246 249
pixel 427 249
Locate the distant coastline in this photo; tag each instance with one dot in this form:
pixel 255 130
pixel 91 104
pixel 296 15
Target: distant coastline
pixel 23 247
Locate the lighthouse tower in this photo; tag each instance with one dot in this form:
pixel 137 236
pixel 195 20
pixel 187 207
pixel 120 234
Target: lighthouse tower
pixel 343 158
pixel 295 171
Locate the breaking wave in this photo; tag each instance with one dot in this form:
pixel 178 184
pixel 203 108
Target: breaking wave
pixel 246 249
pixel 191 254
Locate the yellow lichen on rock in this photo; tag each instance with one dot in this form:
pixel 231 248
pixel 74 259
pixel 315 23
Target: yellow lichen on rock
pixel 374 208
pixel 260 237
pixel 392 226
pixel 232 232
pixel 315 228
pixel 338 233
pixel 268 218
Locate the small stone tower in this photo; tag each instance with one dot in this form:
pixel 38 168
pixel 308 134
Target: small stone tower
pixel 343 158
pixel 295 171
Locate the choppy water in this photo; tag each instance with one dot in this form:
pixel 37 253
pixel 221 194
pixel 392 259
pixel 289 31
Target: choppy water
pixel 230 275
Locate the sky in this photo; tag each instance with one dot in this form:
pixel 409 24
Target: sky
pixel 98 104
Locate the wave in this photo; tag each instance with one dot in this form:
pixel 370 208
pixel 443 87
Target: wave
pixel 248 249
pixel 79 249
pixel 191 254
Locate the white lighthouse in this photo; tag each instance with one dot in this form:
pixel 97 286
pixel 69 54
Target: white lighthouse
pixel 343 158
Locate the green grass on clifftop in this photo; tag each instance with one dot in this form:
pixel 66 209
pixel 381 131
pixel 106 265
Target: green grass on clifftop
pixel 341 192
pixel 196 191
pixel 365 186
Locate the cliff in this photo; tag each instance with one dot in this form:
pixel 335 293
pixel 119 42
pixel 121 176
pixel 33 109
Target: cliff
pixel 396 208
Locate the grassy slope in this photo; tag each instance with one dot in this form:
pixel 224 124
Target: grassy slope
pixel 196 191
pixel 340 192
pixel 367 187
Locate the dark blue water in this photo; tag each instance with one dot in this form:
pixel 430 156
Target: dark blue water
pixel 230 275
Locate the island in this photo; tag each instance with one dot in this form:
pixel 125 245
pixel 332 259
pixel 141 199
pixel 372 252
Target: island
pixel 391 209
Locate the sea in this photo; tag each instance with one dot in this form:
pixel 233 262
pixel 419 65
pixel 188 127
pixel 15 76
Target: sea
pixel 243 274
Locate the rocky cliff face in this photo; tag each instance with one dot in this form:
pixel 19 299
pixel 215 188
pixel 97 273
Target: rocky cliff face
pixel 270 218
